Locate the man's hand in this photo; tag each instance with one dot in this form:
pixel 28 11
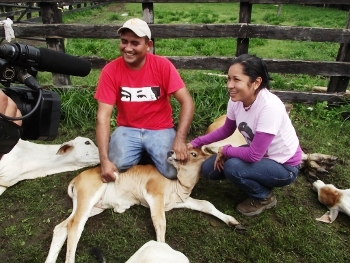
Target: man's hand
pixel 181 150
pixel 9 108
pixel 108 172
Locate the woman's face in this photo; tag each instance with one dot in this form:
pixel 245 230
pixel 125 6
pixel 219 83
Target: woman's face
pixel 239 85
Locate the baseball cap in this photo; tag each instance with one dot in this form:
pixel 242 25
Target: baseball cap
pixel 138 26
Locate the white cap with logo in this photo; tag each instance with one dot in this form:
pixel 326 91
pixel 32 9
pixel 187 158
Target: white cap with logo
pixel 138 26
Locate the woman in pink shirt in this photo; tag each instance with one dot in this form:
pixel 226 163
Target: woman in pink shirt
pixel 272 156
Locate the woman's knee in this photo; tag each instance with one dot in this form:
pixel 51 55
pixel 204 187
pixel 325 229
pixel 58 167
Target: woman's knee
pixel 235 170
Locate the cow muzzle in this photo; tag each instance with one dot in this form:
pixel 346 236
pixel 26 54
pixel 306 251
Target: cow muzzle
pixel 171 156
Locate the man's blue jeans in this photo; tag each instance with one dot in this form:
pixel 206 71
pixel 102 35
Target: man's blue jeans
pixel 255 179
pixel 127 145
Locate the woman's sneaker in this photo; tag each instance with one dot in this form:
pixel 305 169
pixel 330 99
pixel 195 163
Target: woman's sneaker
pixel 252 207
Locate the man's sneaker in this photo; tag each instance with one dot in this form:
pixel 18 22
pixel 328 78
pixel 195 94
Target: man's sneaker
pixel 252 207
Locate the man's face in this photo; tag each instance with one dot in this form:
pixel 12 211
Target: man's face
pixel 134 49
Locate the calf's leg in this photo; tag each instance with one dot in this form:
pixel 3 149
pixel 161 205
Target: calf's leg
pixel 88 192
pixel 209 208
pixel 59 237
pixel 85 192
pixel 156 204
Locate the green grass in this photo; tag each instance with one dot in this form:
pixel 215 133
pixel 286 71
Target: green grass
pixel 30 209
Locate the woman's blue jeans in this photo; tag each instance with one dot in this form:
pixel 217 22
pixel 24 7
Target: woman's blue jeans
pixel 255 179
pixel 127 146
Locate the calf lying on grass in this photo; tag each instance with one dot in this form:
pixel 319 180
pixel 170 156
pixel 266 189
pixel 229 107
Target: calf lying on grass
pixel 157 252
pixel 335 199
pixel 29 160
pixel 141 184
pixel 150 252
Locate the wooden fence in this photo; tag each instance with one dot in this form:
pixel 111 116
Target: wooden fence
pixel 338 71
pixel 31 12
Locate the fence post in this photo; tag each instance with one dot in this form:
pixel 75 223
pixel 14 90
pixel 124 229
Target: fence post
pixel 29 13
pixel 279 10
pixel 50 14
pixel 9 9
pixel 245 14
pixel 148 16
pixel 340 84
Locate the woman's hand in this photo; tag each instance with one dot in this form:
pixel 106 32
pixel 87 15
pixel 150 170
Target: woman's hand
pixel 189 146
pixel 219 161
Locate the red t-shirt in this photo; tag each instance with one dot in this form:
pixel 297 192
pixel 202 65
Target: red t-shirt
pixel 142 97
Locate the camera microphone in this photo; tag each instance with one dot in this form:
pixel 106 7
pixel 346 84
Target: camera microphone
pixel 44 59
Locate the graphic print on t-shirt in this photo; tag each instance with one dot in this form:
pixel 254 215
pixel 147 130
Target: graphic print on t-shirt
pixel 139 94
pixel 246 131
pixel 248 134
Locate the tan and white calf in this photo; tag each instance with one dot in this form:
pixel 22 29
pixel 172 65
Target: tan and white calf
pixel 29 160
pixel 334 199
pixel 140 185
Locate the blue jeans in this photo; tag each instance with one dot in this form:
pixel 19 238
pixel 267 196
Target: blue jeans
pixel 127 146
pixel 255 179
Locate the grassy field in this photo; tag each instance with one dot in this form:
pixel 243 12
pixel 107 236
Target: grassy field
pixel 288 233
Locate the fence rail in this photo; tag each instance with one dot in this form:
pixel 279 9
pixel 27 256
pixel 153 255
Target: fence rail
pixel 29 13
pixel 306 2
pixel 338 71
pixel 238 30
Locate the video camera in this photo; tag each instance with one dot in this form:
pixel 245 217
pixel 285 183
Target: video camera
pixel 40 108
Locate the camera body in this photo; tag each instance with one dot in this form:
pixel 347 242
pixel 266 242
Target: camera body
pixel 40 108
pixel 43 123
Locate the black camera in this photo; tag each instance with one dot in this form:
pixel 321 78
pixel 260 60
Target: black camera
pixel 40 108
pixel 43 123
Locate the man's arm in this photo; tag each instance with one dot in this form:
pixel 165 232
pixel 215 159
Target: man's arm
pixel 185 120
pixel 9 108
pixel 104 114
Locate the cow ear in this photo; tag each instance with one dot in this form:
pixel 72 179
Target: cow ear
pixel 65 148
pixel 325 218
pixel 208 151
pixel 289 107
pixel 329 217
pixel 333 214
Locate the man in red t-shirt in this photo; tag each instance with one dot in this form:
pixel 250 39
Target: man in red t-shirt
pixel 139 84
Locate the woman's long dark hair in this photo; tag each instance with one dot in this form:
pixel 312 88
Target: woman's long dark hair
pixel 254 67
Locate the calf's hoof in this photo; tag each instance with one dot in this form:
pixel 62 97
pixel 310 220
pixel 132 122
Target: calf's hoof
pixel 240 228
